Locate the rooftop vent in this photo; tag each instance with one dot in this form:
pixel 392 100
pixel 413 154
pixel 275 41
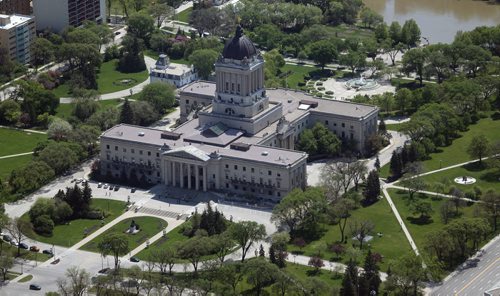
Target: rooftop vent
pixel 265 153
pixel 170 135
pixel 240 146
pixel 141 134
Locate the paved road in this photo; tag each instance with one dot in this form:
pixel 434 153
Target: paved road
pixel 474 281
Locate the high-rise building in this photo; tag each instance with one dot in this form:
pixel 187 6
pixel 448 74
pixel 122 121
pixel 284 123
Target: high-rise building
pixel 15 7
pixel 17 32
pixel 55 15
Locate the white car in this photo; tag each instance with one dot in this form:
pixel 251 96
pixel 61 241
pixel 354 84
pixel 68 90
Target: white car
pixel 99 185
pixel 105 186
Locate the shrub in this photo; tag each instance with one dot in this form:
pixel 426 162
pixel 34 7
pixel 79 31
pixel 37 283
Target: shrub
pixel 95 214
pixel 321 88
pixel 301 84
pixel 43 225
pixel 329 92
pixel 319 83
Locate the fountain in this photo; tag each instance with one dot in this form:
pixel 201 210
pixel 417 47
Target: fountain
pixel 361 84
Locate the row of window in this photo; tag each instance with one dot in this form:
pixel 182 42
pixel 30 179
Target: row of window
pixel 335 124
pixel 236 187
pixel 252 170
pixel 133 151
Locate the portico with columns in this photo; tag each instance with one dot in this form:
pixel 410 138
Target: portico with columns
pixel 186 167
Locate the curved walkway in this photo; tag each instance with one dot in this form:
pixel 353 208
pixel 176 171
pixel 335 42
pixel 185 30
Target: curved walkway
pixel 150 63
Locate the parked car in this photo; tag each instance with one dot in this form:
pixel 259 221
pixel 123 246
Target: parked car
pixel 104 270
pixel 35 287
pixel 134 259
pixel 111 187
pixel 48 252
pixel 105 186
pixel 117 188
pixel 132 190
pixel 99 185
pixel 7 238
pixel 14 243
pixel 34 249
pixel 23 246
pixel 117 33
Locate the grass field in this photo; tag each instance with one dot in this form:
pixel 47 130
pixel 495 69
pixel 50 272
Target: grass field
pixel 70 234
pixel 25 279
pixel 65 110
pixel 303 273
pixel 418 230
pixel 184 15
pixel 352 31
pixel 25 254
pixel 391 245
pixel 485 178
pixel 149 227
pixel 108 79
pixel 16 141
pixel 457 151
pixel 394 127
pixel 7 165
pixel 297 75
pixel 173 238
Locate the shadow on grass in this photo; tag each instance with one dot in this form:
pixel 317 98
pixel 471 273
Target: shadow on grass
pixel 420 220
pixel 475 166
pixel 313 272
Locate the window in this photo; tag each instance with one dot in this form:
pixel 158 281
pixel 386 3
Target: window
pixel 352 127
pixel 187 101
pixel 227 185
pixel 107 146
pixel 227 85
pixel 149 153
pixel 227 166
pixel 279 193
pixel 235 167
pixel 236 187
pixel 124 149
pixel 116 148
pixel 140 152
pixel 227 177
pixel 352 136
pixel 232 86
pixel 343 134
pixel 107 157
pixel 279 175
pixel 213 176
pixel 278 184
pixel 253 170
pixel 157 174
pixel 326 122
pixel 343 124
pixel 244 169
pixel 157 154
pixel 238 87
pixel 334 124
pixel 269 173
pixel 270 192
pixel 132 150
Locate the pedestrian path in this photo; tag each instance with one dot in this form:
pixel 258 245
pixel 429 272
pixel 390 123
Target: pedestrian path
pixel 16 155
pixel 436 194
pixel 159 212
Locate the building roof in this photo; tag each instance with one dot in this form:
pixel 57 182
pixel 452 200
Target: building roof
pixel 173 69
pixel 204 88
pixel 239 47
pixel 11 21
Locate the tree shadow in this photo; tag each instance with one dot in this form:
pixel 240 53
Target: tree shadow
pixel 313 272
pixel 475 166
pixel 420 220
pixel 490 177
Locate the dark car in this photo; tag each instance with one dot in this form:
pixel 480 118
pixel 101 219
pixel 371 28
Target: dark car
pixel 104 270
pixel 35 287
pixel 134 259
pixel 23 246
pixel 48 252
pixel 117 188
pixel 111 187
pixel 117 33
pixel 7 238
pixel 132 190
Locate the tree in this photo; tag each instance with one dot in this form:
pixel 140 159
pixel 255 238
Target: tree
pixel 6 262
pixel 126 113
pixel 260 274
pixel 193 249
pixel 115 244
pixel 160 95
pixel 353 60
pixel 491 206
pixel 410 33
pixel 203 61
pixel 414 61
pixel 222 245
pixel 165 259
pixel 372 189
pixel 160 11
pixel 144 114
pixel 43 225
pixel 43 50
pixel 360 230
pixel 370 18
pixel 407 276
pixel 479 147
pixel 413 184
pixel 316 262
pixel 58 156
pixel 16 228
pixel 59 129
pixel 369 280
pixel 245 233
pixel 447 211
pixel 322 52
pixel 141 25
pixel 377 164
pixel 132 59
pixel 10 111
pixel 342 211
pixel 30 177
pixel 85 107
pixel 307 142
pixel 76 283
pixel 396 165
pixel 350 280
pixel 422 208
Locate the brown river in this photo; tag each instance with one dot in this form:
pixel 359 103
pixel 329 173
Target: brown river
pixel 439 20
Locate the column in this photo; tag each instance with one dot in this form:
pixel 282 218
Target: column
pixel 189 175
pixel 204 178
pixel 197 177
pixel 181 174
pixel 172 169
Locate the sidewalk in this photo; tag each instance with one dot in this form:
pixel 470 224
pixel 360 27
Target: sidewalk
pixel 15 155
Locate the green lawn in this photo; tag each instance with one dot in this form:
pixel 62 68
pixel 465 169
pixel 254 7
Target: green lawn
pixel 7 165
pixel 485 178
pixel 65 110
pixel 174 237
pixel 417 230
pixel 391 245
pixel 108 80
pixel 394 127
pixel 149 227
pixel 25 279
pixel 72 233
pixel 16 141
pixel 352 31
pixel 303 273
pixel 184 15
pixel 25 254
pixel 457 151
pixel 298 72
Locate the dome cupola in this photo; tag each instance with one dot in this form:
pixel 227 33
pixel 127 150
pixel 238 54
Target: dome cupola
pixel 239 47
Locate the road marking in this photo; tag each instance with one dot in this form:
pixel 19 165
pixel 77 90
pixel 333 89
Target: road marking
pixel 470 282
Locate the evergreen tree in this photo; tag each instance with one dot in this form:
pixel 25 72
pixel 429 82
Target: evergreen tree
pixel 262 253
pixel 272 255
pixel 382 129
pixel 396 165
pixel 281 258
pixel 86 197
pixel 350 280
pixel 372 189
pixel 377 164
pixel 370 279
pixel 60 195
pixel 126 114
